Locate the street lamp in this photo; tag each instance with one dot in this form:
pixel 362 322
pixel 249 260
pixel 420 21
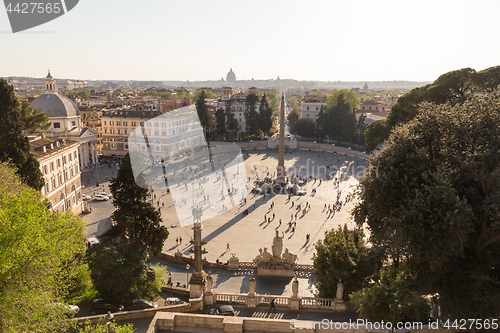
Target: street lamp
pixel 394 308
pixel 187 274
pixel 109 316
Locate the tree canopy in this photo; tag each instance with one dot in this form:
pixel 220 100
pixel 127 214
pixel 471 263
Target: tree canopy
pixel 343 255
pixel 137 221
pixel 14 146
pixel 37 250
pixel 252 117
pixel 201 107
pixel 452 87
pixel 433 201
pixel 265 113
pixel 304 127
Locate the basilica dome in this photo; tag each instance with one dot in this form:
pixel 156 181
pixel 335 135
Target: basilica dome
pixel 55 106
pixel 231 76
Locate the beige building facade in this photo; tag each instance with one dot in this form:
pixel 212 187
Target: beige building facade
pixel 60 166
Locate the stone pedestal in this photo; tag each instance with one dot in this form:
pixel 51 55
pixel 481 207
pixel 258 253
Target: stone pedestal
pixel 209 298
pixel 196 286
pixel 251 301
pixel 234 263
pixel 294 303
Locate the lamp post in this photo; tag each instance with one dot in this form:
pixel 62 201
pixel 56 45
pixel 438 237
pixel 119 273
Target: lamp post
pixel 170 282
pixel 109 316
pixel 394 308
pixel 187 274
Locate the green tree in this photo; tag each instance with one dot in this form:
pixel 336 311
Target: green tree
pixel 292 118
pixel 14 146
pixel 36 248
pixel 137 221
pixel 121 272
pixel 452 87
pixel 101 326
pixel 220 115
pixel 304 127
pixel 265 113
pixel 232 123
pixel 201 107
pixel 343 255
pixel 374 302
pixel 339 120
pixel 33 120
pixel 251 115
pixel 434 203
pixel 292 102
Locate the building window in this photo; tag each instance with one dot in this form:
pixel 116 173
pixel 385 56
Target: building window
pixel 73 123
pixel 156 124
pixel 134 123
pixel 70 157
pixel 118 123
pixel 64 160
pixel 125 123
pixel 164 133
pixel 46 188
pixel 61 198
pixel 119 131
pixel 105 131
pixel 111 123
pixel 126 147
pixel 111 131
pixel 74 153
pixel 105 122
pixel 316 108
pixel 71 173
pixel 57 125
pixel 66 175
pixel 53 183
pixel 45 169
pixel 369 108
pixel 307 108
pixel 76 169
pixel 51 166
pixel 141 123
pixel 112 145
pixel 149 133
pixel 60 180
pixel 125 132
pixel 163 125
pixel 157 133
pixel 73 188
pixel 68 204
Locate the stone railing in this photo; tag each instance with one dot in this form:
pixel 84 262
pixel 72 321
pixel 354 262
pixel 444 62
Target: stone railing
pixel 317 303
pixel 247 265
pixel 304 267
pixel 266 300
pixel 230 298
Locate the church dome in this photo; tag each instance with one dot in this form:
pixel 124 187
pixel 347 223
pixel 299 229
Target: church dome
pixel 55 106
pixel 231 76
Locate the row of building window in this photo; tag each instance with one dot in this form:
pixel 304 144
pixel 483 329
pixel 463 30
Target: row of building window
pixel 52 166
pixel 148 124
pixel 60 178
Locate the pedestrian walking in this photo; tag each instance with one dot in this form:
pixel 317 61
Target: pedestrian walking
pixel 180 240
pixel 177 241
pixel 227 247
pixel 273 305
pixel 279 223
pixel 273 216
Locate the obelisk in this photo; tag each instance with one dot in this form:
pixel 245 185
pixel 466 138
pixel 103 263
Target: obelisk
pixel 280 169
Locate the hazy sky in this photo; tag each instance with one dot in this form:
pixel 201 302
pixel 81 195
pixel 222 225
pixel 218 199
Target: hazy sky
pixel 325 40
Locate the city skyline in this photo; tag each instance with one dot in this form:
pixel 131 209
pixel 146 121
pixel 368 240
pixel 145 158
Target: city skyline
pixel 200 41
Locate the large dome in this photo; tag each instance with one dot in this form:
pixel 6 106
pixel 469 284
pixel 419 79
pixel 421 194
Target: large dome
pixel 231 76
pixel 55 106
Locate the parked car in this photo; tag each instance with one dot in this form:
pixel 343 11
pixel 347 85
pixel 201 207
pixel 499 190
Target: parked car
pixel 109 195
pixel 223 310
pixel 100 197
pixel 174 301
pixel 92 241
pixel 139 304
pixel 102 306
pixel 86 197
pixel 71 310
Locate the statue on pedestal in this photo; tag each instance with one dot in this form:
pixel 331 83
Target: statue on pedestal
pixel 278 244
pixel 340 290
pixel 295 287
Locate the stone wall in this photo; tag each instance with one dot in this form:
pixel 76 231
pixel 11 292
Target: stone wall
pixel 164 322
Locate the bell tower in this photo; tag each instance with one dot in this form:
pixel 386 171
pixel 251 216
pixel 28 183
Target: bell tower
pixel 50 84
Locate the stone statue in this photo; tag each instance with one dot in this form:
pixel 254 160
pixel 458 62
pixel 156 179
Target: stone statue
pixel 266 256
pixel 340 290
pixel 295 287
pixel 278 244
pixel 289 257
pixel 209 283
pixel 258 258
